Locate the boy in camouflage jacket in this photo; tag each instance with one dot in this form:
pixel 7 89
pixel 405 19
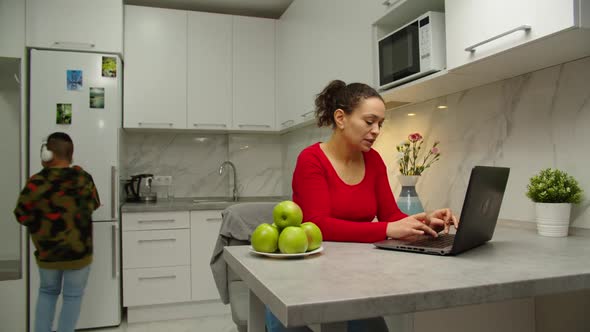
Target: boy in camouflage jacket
pixel 56 206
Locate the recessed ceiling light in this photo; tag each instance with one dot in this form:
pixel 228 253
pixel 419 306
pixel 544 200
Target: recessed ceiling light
pixel 442 107
pixel 411 114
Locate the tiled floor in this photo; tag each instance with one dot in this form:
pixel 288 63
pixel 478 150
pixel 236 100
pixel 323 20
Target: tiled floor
pixel 222 323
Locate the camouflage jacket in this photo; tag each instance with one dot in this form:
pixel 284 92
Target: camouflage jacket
pixel 56 206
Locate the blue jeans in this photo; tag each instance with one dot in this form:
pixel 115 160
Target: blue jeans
pixel 74 283
pixel 377 324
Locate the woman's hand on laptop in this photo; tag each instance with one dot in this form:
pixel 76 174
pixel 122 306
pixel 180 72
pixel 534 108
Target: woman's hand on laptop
pixel 408 228
pixel 439 220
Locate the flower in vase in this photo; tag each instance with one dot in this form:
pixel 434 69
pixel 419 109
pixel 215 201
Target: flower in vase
pixel 411 159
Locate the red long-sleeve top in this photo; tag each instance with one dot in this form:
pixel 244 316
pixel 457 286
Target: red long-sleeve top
pixel 344 212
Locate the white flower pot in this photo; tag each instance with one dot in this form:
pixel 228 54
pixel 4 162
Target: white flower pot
pixel 553 219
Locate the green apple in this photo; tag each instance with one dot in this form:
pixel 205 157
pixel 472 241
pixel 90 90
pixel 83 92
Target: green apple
pixel 314 235
pixel 293 240
pixel 287 213
pixel 265 238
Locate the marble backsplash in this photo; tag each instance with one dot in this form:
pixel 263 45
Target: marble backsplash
pixel 529 122
pixel 193 161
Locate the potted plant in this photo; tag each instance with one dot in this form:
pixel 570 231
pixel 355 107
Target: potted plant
pixel 553 192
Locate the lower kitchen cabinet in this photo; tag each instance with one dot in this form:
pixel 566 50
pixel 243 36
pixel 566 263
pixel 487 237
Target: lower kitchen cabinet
pixel 166 257
pixel 204 231
pixel 156 257
pixel 147 286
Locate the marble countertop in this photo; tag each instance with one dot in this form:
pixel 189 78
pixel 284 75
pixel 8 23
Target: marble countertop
pixel 356 280
pixel 194 203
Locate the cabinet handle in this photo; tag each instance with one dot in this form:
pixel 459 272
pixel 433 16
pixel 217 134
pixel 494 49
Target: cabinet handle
pixel 147 221
pixel 157 240
pixel 524 27
pixel 213 219
pixel 169 124
pixel 223 125
pixel 307 113
pixel 172 276
pixel 287 122
pixel 254 125
pixel 65 44
pixel 113 191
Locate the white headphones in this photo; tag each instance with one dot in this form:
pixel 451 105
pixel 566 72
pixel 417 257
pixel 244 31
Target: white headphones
pixel 46 154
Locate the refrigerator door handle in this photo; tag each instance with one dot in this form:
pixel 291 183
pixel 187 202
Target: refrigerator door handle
pixel 115 230
pixel 113 192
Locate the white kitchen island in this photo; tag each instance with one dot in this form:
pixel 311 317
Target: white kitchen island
pixel 352 280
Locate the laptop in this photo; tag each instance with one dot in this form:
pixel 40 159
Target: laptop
pixel 478 217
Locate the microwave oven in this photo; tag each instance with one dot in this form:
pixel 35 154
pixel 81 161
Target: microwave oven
pixel 412 51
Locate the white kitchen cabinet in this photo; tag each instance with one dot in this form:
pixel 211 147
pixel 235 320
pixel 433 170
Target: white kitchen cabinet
pixel 315 46
pixel 159 285
pixel 156 220
pixel 476 29
pixel 204 232
pixel 12 28
pixel 156 257
pixel 155 68
pixel 291 54
pixel 157 248
pixel 254 73
pixel 209 71
pixel 559 32
pixel 95 26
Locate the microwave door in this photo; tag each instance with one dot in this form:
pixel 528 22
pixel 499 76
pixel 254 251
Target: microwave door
pixel 399 54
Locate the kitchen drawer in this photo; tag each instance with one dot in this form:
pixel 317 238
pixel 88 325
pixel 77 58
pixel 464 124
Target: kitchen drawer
pixel 156 285
pixel 156 248
pixel 155 220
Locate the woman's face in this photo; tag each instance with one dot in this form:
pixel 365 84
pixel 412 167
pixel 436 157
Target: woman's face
pixel 362 126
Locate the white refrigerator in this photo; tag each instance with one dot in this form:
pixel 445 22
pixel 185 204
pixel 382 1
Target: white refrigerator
pixel 81 94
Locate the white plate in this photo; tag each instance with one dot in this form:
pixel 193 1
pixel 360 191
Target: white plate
pixel 279 255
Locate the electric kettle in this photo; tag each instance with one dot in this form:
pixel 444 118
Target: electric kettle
pixel 133 189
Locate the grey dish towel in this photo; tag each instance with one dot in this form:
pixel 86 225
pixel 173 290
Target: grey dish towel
pixel 239 221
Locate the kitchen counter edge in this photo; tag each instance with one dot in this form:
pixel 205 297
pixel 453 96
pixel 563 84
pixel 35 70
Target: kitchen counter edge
pixel 188 204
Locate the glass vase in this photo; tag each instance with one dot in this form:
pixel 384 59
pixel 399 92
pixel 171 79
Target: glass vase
pixel 408 200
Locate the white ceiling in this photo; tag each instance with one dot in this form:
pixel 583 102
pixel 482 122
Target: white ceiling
pixel 258 8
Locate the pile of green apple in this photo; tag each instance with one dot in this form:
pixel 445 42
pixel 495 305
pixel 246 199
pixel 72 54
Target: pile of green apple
pixel 287 234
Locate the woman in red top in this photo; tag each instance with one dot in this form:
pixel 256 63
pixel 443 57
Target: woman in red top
pixel 342 186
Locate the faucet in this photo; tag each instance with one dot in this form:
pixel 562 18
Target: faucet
pixel 233 167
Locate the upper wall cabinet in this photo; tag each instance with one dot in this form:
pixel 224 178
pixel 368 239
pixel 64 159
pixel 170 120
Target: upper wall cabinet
pixel 292 46
pixel 75 25
pixel 479 29
pixel 320 41
pixel 12 28
pixel 155 68
pixel 196 70
pixel 491 40
pixel 209 71
pixel 254 73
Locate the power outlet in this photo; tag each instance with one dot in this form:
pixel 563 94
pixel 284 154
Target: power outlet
pixel 162 180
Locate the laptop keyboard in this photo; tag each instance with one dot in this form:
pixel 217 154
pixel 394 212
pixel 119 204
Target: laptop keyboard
pixel 443 240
